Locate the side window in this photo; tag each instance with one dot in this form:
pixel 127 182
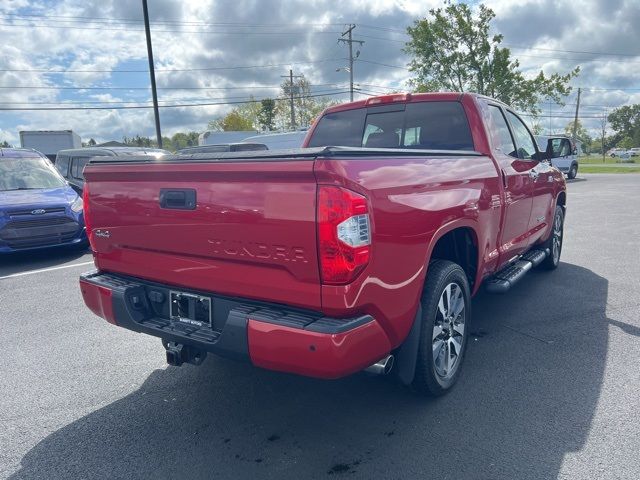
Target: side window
pixel 555 145
pixel 565 150
pixel 77 166
pixel 62 164
pixel 524 141
pixel 500 132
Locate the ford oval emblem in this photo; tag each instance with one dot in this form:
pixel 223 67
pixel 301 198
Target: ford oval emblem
pixel 38 211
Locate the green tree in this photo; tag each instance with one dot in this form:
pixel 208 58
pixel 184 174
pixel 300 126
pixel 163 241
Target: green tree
pixel 625 122
pixel 453 50
pixel 536 126
pixel 626 142
pixel 267 115
pixel 581 132
pixel 183 140
pixel 244 117
pixel 138 141
pixel 233 121
pixel 596 146
pixel 5 144
pixel 306 107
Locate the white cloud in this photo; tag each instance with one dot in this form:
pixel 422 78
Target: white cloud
pixel 231 33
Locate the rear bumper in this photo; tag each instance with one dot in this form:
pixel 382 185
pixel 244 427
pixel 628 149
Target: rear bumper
pixel 270 336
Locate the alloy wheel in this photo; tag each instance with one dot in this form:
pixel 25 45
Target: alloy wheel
pixel 448 331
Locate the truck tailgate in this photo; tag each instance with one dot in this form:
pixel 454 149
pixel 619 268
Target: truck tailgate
pixel 250 233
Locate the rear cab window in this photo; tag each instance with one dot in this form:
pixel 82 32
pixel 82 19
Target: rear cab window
pixel 430 125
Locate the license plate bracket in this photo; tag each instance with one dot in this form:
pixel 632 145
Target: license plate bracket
pixel 190 309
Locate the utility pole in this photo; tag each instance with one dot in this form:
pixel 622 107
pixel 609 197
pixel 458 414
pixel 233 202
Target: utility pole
pixel 350 41
pixel 603 124
pixel 291 76
pixel 575 120
pixel 152 72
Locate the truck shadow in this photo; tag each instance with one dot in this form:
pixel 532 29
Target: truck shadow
pixel 527 398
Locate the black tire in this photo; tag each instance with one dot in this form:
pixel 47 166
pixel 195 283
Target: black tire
pixel 429 378
pixel 573 172
pixel 553 260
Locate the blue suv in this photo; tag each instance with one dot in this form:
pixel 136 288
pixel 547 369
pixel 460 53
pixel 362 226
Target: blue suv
pixel 38 208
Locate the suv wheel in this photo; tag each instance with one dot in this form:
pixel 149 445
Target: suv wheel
pixel 446 311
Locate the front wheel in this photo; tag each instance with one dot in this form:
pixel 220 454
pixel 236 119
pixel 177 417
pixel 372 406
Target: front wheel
pixel 446 311
pixel 573 172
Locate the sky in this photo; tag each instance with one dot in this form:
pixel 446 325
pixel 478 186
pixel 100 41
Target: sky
pixel 92 53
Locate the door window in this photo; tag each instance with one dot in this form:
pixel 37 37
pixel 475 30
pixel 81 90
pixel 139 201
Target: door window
pixel 77 166
pixel 524 141
pixel 500 132
pixel 62 164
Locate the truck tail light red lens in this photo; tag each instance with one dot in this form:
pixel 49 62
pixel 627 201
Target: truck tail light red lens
pixel 87 214
pixel 344 234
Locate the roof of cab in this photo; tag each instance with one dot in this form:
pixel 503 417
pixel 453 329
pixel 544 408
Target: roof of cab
pixel 411 97
pixel 113 151
pixel 20 153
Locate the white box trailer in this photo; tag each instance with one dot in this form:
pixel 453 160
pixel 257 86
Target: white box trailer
pixel 50 142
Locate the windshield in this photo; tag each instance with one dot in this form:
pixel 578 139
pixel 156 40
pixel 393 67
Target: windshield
pixel 28 173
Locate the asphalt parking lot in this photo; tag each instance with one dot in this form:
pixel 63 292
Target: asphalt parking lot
pixel 550 388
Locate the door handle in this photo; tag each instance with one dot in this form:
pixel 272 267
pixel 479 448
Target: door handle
pixel 178 199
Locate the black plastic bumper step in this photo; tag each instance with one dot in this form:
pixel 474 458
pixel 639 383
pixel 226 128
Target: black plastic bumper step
pixel 510 275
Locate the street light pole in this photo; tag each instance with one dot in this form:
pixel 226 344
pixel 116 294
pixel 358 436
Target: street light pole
pixel 152 72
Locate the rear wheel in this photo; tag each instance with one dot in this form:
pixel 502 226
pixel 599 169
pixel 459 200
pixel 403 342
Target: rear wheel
pixel 445 326
pixel 573 171
pixel 554 242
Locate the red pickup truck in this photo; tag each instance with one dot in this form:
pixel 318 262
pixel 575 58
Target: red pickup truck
pixel 361 248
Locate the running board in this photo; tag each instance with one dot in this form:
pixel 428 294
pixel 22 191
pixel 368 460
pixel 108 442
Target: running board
pixel 506 278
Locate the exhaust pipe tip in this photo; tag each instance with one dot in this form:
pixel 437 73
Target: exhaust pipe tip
pixel 381 367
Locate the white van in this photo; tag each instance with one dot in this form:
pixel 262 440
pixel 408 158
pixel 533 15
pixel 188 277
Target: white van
pixel 562 153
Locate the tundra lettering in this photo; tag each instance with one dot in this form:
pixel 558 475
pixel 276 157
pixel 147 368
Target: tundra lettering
pixel 238 248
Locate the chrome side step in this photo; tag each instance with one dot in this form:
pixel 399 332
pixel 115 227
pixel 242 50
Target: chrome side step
pixel 506 278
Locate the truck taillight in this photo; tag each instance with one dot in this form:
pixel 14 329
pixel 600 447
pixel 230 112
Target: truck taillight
pixel 87 214
pixel 344 234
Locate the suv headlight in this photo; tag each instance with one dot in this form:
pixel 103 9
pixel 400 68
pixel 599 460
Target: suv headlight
pixel 76 206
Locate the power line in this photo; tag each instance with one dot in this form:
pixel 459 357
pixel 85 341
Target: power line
pixel 167 22
pixel 141 102
pixel 382 64
pixel 204 69
pixel 522 47
pixel 208 32
pixel 162 106
pixel 249 87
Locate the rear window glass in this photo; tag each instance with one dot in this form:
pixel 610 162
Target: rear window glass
pixel 423 125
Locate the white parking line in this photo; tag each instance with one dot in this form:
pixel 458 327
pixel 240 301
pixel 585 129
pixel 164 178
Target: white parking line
pixel 31 272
